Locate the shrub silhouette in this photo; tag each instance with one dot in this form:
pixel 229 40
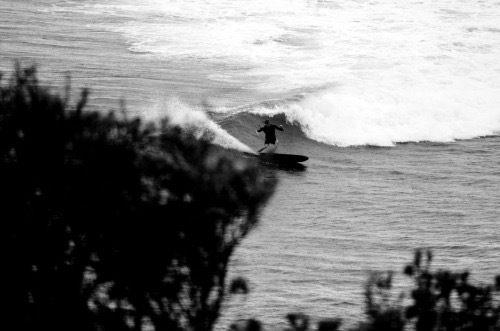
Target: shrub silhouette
pixel 110 223
pixel 445 300
pixel 441 300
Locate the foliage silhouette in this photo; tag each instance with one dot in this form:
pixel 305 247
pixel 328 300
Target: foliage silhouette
pixel 444 300
pixel 110 223
pixel 440 301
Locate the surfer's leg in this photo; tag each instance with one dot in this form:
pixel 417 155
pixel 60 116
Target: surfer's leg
pixel 271 149
pixel 263 148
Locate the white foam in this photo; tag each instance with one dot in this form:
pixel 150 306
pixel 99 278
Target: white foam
pixel 404 71
pixel 195 121
pixel 383 115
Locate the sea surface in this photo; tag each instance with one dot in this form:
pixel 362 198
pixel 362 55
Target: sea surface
pixel 397 104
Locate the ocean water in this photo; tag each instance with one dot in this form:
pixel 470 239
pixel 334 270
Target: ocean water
pixel 396 104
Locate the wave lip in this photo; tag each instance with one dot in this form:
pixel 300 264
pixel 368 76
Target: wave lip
pixel 195 121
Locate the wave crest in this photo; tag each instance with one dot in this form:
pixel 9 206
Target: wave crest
pixel 350 117
pixel 195 120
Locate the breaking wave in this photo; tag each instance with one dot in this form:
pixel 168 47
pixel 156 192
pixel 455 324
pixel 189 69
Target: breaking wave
pixel 349 116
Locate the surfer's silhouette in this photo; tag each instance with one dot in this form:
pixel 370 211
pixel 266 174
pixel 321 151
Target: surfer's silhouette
pixel 271 143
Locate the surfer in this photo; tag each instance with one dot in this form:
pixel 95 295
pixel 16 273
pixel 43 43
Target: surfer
pixel 270 142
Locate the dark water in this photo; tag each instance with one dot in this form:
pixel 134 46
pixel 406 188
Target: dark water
pixel 361 209
pixel 349 210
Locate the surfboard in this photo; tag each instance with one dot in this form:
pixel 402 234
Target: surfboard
pixel 279 158
pixel 282 158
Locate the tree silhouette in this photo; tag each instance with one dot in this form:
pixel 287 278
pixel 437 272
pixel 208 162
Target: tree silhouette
pixel 440 300
pixel 446 300
pixel 110 223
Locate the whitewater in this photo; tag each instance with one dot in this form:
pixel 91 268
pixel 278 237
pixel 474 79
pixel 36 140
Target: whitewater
pixel 368 73
pixel 397 104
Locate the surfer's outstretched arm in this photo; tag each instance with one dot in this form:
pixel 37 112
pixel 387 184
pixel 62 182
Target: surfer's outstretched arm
pixel 280 127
